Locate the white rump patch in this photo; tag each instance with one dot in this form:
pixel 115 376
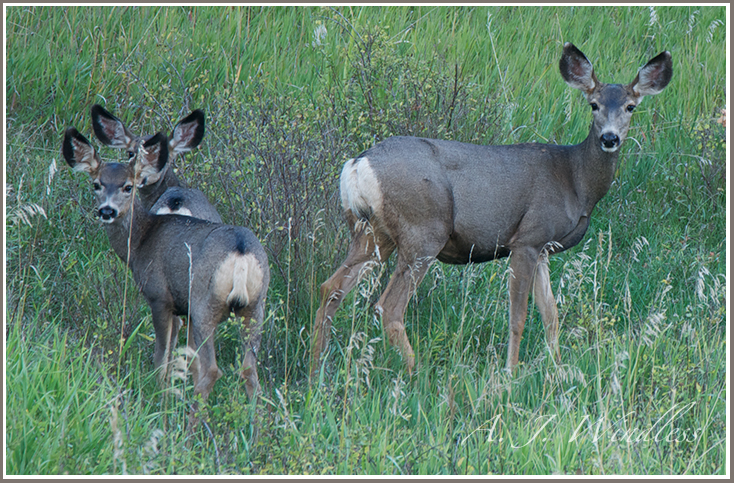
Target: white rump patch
pixel 359 188
pixel 167 211
pixel 239 279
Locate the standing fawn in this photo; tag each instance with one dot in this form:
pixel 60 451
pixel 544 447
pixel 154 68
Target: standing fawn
pixel 460 203
pixel 182 265
pixel 160 189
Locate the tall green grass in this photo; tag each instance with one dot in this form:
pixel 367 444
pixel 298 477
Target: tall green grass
pixel 289 94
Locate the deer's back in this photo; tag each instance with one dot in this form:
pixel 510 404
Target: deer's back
pixel 483 194
pixel 180 255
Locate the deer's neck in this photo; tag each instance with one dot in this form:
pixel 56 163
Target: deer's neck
pixel 594 169
pixel 127 233
pixel 149 194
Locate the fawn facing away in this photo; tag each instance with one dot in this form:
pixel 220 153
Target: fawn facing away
pixel 160 189
pixel 458 203
pixel 182 265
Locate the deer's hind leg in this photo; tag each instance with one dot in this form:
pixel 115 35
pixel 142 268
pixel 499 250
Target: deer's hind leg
pixel 395 298
pixel 251 335
pixel 366 249
pixel 201 340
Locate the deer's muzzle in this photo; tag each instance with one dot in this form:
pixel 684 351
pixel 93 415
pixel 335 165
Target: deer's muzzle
pixel 107 214
pixel 610 142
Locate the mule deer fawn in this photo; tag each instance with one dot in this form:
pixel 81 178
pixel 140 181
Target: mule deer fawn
pixel 182 265
pixel 463 203
pixel 160 189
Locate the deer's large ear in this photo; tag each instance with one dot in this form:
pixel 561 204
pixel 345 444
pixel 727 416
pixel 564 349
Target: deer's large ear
pixel 654 76
pixel 576 69
pixel 110 130
pixel 151 160
pixel 188 133
pixel 79 153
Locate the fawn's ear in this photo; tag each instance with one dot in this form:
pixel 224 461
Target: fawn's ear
pixel 654 76
pixel 79 153
pixel 110 130
pixel 188 133
pixel 150 161
pixel 576 69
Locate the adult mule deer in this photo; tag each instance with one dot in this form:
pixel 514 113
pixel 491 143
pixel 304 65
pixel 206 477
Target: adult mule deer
pixel 160 189
pixel 182 265
pixel 460 203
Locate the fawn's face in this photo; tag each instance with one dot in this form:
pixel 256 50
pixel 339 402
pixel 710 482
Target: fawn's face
pixel 113 186
pixel 113 183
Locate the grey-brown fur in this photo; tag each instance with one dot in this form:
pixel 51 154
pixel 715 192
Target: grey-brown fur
pixel 458 203
pixel 182 265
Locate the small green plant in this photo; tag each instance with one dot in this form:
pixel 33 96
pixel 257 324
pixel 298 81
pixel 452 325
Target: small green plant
pixel 710 138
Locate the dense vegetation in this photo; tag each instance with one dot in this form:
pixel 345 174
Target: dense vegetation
pixel 290 93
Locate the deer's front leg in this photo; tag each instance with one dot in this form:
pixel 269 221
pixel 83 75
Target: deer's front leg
pixel 543 295
pixel 522 267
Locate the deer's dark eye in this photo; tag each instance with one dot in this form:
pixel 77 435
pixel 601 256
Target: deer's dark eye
pixel 594 106
pixel 128 188
pixel 631 108
pixel 96 186
pixel 130 154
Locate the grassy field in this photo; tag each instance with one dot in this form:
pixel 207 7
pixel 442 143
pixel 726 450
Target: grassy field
pixel 290 93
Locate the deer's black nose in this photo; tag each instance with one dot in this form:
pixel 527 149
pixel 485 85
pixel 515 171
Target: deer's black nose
pixel 107 213
pixel 609 140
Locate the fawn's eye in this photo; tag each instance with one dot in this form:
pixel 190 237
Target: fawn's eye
pixel 631 108
pixel 128 188
pixel 594 106
pixel 96 186
pixel 130 154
